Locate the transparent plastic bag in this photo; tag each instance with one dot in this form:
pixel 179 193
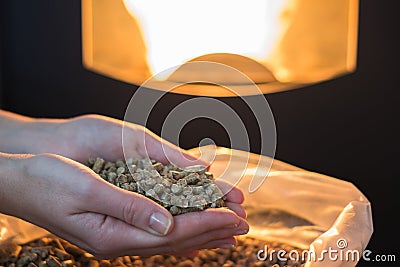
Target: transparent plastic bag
pixel 293 206
pixel 16 230
pixel 304 209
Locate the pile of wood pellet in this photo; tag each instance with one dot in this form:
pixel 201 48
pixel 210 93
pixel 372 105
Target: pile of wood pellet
pixel 54 252
pixel 178 190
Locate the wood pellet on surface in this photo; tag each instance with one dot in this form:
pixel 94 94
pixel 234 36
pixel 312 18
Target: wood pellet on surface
pixel 52 251
pixel 179 190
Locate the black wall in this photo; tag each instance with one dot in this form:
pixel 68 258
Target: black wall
pixel 346 128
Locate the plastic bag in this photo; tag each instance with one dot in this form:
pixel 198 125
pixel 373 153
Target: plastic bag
pixel 308 210
pixel 16 230
pixel 294 206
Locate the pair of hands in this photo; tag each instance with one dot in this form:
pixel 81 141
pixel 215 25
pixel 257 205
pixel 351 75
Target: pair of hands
pixel 57 192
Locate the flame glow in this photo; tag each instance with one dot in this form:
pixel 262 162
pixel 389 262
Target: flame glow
pixel 248 28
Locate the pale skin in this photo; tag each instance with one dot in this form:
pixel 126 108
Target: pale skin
pixel 43 180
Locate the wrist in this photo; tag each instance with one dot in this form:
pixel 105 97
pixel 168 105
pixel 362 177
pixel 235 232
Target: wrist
pixel 11 181
pixel 25 135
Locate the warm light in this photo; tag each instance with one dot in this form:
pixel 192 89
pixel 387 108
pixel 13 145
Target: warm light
pixel 278 44
pixel 178 31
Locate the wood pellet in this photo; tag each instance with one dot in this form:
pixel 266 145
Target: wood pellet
pixel 55 252
pixel 178 190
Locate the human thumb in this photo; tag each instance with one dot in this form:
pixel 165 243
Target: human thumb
pixel 133 209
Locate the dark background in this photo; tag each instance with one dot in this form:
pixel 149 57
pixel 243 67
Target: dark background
pixel 346 127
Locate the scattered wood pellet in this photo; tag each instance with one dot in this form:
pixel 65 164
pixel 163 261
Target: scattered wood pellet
pixel 244 254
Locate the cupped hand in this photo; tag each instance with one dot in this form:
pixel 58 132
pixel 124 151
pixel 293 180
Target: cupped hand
pixel 91 136
pixel 88 136
pixel 70 200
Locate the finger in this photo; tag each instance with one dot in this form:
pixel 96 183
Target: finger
pixel 191 229
pixel 132 208
pixel 205 222
pixel 232 193
pixel 199 241
pixel 202 241
pixel 115 237
pixel 237 208
pixel 229 242
pixel 187 254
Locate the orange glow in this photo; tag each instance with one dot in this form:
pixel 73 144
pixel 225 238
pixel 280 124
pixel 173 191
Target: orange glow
pixel 188 29
pixel 278 44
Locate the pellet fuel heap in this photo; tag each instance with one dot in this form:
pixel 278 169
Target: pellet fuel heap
pixel 55 252
pixel 178 190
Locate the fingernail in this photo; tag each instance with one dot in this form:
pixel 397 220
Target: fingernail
pixel 241 232
pixel 227 245
pixel 230 226
pixel 160 223
pixel 192 254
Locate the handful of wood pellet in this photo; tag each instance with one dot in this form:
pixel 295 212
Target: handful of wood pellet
pixel 178 190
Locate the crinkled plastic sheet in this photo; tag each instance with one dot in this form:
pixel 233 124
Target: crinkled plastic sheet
pixel 16 230
pixel 298 207
pixel 291 205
